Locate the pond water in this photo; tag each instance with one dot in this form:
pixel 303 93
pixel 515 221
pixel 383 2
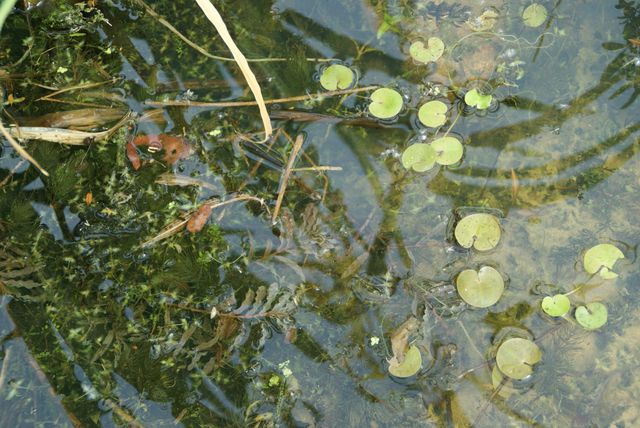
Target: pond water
pixel 327 256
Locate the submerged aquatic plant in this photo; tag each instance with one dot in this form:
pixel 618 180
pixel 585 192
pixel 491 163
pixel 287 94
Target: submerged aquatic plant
pixel 534 15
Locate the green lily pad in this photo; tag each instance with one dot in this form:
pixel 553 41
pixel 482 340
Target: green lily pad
pixel 601 259
pixel 385 103
pixel 337 76
pixel 534 15
pixel 515 357
pixel 420 157
pixel 556 306
pixel 592 316
pixel 432 52
pixel 475 99
pixel 448 150
pixel 433 114
pixel 482 288
pixel 481 231
pixel 409 366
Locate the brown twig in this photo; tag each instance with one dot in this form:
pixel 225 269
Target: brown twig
pixel 286 174
pixel 187 103
pixel 13 171
pixel 73 88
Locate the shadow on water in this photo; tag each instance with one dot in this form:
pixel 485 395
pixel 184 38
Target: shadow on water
pixel 119 334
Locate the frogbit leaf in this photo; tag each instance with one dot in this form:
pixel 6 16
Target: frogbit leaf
pixel 336 76
pixel 481 231
pixel 475 99
pixel 448 150
pixel 534 15
pixel 482 288
pixel 592 316
pixel 420 157
pixel 601 258
pixel 431 52
pixel 556 306
pixel 433 114
pixel 516 356
pixel 385 103
pixel 409 366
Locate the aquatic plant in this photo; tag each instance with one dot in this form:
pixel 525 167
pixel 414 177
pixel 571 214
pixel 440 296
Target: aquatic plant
pixel 601 258
pixel 433 114
pixel 482 288
pixel 429 53
pixel 557 305
pixel 534 15
pixel 474 98
pixel 592 315
pixel 337 76
pixel 516 357
pixel 480 231
pixel 386 103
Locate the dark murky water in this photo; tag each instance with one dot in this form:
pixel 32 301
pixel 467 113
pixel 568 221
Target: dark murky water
pixel 104 323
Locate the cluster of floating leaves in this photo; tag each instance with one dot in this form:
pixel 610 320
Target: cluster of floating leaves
pixel 598 260
pixel 483 287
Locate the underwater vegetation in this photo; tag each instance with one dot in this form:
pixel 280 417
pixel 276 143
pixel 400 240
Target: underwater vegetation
pixel 340 213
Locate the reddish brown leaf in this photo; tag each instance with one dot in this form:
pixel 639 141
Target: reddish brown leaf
pixel 88 198
pixel 635 42
pixel 199 219
pixel 132 155
pixel 175 148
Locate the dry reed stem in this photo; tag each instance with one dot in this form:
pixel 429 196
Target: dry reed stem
pixel 212 14
pixel 186 103
pixel 285 176
pixel 21 151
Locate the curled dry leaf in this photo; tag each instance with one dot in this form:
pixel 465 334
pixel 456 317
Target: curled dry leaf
pixel 400 340
pixel 199 218
pixel 175 148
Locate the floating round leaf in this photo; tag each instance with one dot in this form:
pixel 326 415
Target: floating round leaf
pixel 385 103
pixel 592 316
pixel 557 305
pixel 481 231
pixel 448 150
pixel 601 259
pixel 482 288
pixel 515 357
pixel 433 114
pixel 336 76
pixel 475 99
pixel 534 15
pixel 409 366
pixel 420 157
pixel 432 52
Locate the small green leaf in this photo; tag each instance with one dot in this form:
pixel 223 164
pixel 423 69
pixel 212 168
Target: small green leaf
pixel 420 157
pixel 385 103
pixel 475 99
pixel 556 306
pixel 592 316
pixel 449 150
pixel 336 76
pixel 534 15
pixel 515 357
pixel 482 288
pixel 432 52
pixel 481 231
pixel 433 114
pixel 601 258
pixel 410 365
